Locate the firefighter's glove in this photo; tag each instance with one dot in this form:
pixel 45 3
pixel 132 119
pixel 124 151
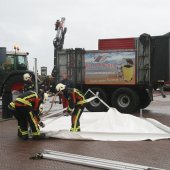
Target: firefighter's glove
pixel 65 113
pixel 41 109
pixel 81 103
pixel 69 111
pixel 42 124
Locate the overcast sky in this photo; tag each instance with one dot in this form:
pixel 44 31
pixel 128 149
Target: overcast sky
pixel 30 23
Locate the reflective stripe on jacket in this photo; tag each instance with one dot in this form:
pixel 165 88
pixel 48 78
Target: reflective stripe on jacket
pixel 11 106
pixel 75 97
pixel 29 98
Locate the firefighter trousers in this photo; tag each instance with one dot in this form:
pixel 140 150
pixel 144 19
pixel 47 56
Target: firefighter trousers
pixel 75 118
pixel 65 102
pixel 13 112
pixel 25 116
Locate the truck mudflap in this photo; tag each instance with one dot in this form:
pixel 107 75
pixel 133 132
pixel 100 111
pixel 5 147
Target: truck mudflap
pixel 145 98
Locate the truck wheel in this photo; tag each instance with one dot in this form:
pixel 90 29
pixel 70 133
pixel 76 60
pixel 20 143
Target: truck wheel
pixel 145 99
pixel 125 100
pixel 6 99
pixel 96 105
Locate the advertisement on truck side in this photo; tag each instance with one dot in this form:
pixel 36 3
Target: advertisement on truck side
pixel 116 67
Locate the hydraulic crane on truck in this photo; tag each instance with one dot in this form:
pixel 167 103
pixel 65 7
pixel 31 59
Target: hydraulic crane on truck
pixel 61 31
pixel 58 41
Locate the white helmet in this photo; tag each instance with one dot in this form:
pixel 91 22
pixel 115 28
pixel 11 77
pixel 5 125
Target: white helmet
pixel 60 87
pixel 26 77
pixel 41 108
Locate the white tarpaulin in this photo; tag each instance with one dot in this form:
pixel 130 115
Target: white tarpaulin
pixel 107 126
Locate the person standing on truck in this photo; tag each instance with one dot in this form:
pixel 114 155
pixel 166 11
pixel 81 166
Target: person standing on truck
pixel 69 84
pixel 28 84
pixel 26 109
pixel 75 107
pixel 57 25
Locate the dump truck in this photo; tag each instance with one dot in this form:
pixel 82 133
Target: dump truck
pixel 125 71
pixel 13 65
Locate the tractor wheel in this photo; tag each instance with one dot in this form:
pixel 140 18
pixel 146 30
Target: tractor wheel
pixel 6 99
pixel 14 83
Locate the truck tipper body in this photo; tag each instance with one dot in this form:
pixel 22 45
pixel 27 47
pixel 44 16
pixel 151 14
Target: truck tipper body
pixel 124 71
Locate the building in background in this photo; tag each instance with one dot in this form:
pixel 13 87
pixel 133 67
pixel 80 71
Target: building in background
pixel 43 71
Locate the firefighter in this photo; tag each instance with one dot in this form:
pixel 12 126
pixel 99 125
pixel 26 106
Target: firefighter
pixel 57 25
pixel 75 107
pixel 26 110
pixel 28 84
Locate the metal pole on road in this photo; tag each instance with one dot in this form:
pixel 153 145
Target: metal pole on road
pixel 36 78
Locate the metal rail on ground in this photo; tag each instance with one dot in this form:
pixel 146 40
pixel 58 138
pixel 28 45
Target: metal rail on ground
pixel 90 161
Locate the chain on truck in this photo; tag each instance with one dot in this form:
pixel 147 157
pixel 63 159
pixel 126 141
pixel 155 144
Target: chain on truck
pixel 13 65
pixel 124 71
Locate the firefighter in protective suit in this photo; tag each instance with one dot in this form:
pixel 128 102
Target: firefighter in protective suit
pixel 26 110
pixel 75 107
pixel 28 84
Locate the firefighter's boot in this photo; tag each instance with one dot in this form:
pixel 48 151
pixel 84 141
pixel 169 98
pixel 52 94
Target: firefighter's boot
pixel 19 133
pixel 76 129
pixel 24 137
pixel 39 137
pixel 23 134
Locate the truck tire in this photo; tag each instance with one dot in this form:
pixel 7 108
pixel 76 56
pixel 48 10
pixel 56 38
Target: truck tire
pixel 6 99
pixel 96 105
pixel 125 100
pixel 145 99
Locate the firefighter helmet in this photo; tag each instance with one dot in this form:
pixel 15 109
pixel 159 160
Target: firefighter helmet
pixel 60 87
pixel 26 76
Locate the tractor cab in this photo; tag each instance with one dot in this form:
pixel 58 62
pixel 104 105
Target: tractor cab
pixel 15 61
pixel 11 61
pixel 13 65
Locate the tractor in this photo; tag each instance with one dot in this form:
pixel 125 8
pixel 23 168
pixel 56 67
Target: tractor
pixel 13 65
